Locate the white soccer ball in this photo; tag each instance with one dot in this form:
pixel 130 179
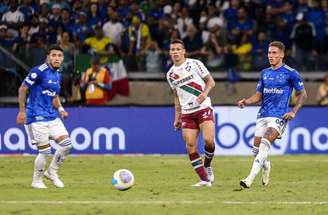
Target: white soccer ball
pixel 123 179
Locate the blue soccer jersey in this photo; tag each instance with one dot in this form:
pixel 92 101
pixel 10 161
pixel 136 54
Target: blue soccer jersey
pixel 276 87
pixel 44 84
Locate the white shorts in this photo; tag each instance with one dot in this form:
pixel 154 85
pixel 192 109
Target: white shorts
pixel 41 132
pixel 263 124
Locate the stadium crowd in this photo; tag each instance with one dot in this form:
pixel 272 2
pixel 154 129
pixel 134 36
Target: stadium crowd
pixel 230 35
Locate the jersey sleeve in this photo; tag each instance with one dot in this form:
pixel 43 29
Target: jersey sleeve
pixel 296 81
pixel 170 80
pixel 260 86
pixel 32 77
pixel 201 69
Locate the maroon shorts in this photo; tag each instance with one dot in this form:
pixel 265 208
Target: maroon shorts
pixel 193 120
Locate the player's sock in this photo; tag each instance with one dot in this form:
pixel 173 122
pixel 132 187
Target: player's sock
pixel 197 163
pixel 259 159
pixel 266 162
pixel 255 150
pixel 60 155
pixel 40 163
pixel 209 153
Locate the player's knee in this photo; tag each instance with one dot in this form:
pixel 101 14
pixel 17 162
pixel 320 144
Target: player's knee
pixel 44 148
pixel 191 146
pixel 66 144
pixel 209 141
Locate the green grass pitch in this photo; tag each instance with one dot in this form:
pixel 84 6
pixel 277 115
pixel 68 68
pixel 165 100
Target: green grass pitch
pixel 163 186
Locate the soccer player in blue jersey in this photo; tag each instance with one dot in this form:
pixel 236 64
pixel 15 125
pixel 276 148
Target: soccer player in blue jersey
pixel 41 116
pixel 273 91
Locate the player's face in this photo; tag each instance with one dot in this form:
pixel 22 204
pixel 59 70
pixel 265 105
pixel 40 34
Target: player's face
pixel 275 55
pixel 177 52
pixel 55 58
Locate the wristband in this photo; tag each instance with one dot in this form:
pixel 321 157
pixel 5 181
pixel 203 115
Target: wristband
pixel 61 109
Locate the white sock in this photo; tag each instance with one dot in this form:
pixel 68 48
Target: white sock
pixel 259 159
pixel 255 151
pixel 39 165
pixel 60 155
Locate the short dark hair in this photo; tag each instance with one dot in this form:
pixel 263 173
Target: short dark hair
pixel 178 41
pixel 54 47
pixel 278 44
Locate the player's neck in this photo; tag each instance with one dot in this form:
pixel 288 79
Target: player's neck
pixel 277 66
pixel 179 63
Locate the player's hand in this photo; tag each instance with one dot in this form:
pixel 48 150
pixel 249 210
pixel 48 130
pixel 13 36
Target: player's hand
pixel 21 118
pixel 201 98
pixel 63 114
pixel 242 103
pixel 289 116
pixel 177 125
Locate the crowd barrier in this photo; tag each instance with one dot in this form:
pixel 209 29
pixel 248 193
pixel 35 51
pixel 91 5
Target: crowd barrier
pixel 149 130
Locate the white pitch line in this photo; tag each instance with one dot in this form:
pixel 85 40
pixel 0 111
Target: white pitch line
pixel 106 202
pixel 149 202
pixel 274 203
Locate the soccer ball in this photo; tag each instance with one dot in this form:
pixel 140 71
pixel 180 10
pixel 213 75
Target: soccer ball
pixel 123 179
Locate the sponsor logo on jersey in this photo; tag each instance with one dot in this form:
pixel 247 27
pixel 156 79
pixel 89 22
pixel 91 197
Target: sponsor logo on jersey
pixel 300 83
pixel 52 82
pixel 48 93
pixel 183 80
pixel 273 91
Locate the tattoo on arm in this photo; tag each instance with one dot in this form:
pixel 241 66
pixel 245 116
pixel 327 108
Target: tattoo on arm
pixel 22 92
pixel 301 97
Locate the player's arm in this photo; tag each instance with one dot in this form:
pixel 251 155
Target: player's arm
pixel 209 85
pixel 177 120
pixel 57 104
pixel 301 96
pixel 22 93
pixel 254 99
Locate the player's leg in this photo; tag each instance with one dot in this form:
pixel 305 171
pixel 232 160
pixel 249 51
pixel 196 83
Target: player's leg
pixel 190 137
pixel 268 138
pixel 60 135
pixel 207 129
pixel 266 168
pixel 39 136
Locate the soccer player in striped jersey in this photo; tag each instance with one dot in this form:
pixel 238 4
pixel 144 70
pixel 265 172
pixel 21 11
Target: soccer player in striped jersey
pixel 41 116
pixel 191 83
pixel 274 91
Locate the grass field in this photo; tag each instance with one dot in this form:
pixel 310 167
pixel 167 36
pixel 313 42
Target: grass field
pixel 298 186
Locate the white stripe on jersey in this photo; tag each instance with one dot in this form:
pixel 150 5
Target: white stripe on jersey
pixel 43 67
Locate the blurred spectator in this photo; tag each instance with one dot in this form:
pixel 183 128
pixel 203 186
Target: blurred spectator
pixel 153 57
pixel 7 39
pixel 13 18
pixel 67 70
pixel 119 77
pixel 303 51
pixel 322 95
pixel 21 43
pixel 136 38
pixel 44 10
pixel 231 65
pixel 183 22
pixel 243 49
pixel 81 29
pixel 213 52
pixel 193 41
pixel 98 43
pixel 26 8
pixel 66 23
pixel 94 18
pixel 96 83
pixel 113 28
pixel 243 24
pixel 259 51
